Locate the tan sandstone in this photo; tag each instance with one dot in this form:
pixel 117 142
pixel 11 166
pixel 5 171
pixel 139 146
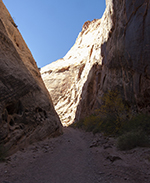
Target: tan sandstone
pixel 26 109
pixel 112 52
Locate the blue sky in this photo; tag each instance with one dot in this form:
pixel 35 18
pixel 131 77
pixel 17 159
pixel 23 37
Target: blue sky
pixel 50 27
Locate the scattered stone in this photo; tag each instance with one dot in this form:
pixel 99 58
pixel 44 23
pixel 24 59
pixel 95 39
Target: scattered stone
pixel 13 165
pixel 8 159
pixel 113 158
pixel 46 147
pixel 95 143
pixel 107 146
pixel 100 173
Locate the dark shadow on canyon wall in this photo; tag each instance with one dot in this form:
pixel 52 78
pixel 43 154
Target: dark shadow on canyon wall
pixel 89 98
pixel 126 60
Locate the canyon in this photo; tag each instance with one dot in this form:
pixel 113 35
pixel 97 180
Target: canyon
pixel 27 113
pixel 110 53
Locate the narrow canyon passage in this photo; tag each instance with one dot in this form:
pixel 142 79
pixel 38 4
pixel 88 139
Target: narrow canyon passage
pixel 75 157
pixel 65 159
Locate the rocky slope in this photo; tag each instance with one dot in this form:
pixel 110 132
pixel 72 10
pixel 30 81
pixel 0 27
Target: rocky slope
pixel 109 53
pixel 26 109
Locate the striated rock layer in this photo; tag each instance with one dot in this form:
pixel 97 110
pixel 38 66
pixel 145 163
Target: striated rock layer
pixel 26 109
pixel 112 52
pixel 65 78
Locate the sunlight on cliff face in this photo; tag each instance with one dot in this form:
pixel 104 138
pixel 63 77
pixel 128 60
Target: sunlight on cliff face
pixel 66 87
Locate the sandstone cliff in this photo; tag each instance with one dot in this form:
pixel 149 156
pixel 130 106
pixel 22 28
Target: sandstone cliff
pixel 109 53
pixel 26 109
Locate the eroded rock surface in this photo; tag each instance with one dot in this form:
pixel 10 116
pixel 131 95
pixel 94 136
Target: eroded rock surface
pixel 112 52
pixel 66 77
pixel 26 109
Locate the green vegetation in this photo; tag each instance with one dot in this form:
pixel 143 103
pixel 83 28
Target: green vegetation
pixel 108 118
pixel 135 132
pixel 136 123
pixel 114 118
pixel 133 139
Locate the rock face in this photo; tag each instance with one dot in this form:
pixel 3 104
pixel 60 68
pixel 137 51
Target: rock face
pixel 109 53
pixel 65 78
pixel 26 109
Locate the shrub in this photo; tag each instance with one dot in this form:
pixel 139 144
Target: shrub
pixel 134 132
pixel 108 118
pixel 112 113
pixel 114 118
pixel 132 139
pixel 78 124
pixel 137 122
pixel 91 122
pixel 88 124
pixel 113 109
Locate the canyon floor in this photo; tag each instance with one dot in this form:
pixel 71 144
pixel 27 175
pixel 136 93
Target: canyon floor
pixel 76 157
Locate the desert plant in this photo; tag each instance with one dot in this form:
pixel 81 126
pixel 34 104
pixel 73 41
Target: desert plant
pixel 132 139
pixel 78 124
pixel 91 122
pixel 134 132
pixel 113 112
pixel 113 106
pixel 137 122
pixel 114 118
pixel 88 123
pixel 109 118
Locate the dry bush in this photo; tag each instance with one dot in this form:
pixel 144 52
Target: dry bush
pixel 132 139
pixel 114 118
pixel 108 118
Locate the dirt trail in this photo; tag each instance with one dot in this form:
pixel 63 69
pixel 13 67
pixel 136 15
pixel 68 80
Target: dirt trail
pixel 76 157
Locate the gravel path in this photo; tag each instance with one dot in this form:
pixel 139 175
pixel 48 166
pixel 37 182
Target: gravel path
pixel 76 157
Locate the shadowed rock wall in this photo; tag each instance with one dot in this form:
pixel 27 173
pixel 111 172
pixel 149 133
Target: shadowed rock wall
pixel 125 61
pixel 26 109
pixel 112 52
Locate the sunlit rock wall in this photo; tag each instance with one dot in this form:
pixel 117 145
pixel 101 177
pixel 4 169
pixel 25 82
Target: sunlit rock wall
pixel 66 77
pixel 112 52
